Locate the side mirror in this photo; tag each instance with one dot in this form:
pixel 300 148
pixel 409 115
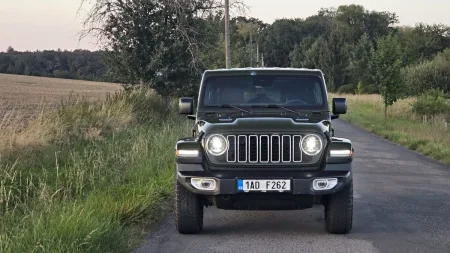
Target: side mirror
pixel 186 106
pixel 339 106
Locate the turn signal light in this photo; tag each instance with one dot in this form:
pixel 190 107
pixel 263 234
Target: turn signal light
pixel 187 153
pixel 341 153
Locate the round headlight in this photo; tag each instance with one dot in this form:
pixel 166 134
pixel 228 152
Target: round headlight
pixel 216 145
pixel 311 144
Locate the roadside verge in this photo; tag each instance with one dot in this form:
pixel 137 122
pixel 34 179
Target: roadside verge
pixel 96 178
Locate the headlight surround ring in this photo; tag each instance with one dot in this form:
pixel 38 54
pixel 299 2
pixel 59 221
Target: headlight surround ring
pixel 310 150
pixel 224 142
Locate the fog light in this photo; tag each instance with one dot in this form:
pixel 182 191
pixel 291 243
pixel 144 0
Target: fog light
pixel 324 184
pixel 206 184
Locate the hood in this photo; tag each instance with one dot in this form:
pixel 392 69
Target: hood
pixel 266 125
pixel 221 116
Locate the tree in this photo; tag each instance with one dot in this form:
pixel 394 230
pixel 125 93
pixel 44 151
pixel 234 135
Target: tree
pixel 279 39
pixel 359 21
pixel 386 63
pixel 422 42
pixel 329 53
pixel 245 33
pixel 336 57
pixel 249 32
pixel 354 17
pixel 156 43
pixel 379 24
pixel 302 57
pixel 10 50
pixel 359 63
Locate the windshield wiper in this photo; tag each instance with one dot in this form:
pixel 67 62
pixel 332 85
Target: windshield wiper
pixel 282 107
pixel 235 107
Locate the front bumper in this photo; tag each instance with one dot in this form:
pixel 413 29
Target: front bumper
pixel 301 181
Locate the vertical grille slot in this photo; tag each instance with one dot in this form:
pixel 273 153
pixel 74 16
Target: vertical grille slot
pixel 286 148
pixel 253 149
pixel 242 148
pixel 264 148
pixel 231 154
pixel 296 150
pixel 275 149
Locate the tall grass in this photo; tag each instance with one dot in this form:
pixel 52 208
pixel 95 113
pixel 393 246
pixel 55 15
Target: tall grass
pixel 431 138
pixel 75 179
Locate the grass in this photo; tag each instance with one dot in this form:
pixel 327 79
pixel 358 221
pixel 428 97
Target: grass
pixel 88 176
pixel 431 138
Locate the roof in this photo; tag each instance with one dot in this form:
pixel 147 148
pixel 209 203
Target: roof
pixel 264 69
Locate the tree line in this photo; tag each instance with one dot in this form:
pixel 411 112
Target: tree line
pixel 78 64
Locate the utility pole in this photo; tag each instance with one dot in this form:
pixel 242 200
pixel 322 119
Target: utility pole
pixel 251 47
pixel 227 34
pixel 257 55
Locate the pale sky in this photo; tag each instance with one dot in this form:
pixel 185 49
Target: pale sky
pixel 52 24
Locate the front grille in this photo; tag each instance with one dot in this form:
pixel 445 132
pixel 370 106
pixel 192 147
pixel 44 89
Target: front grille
pixel 264 149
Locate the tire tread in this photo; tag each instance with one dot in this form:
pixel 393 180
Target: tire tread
pixel 188 211
pixel 339 211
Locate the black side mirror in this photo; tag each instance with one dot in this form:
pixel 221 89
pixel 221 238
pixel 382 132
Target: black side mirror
pixel 334 116
pixel 339 106
pixel 186 106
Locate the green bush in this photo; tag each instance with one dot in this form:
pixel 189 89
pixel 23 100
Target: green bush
pixel 371 89
pixel 348 88
pixel 432 102
pixel 434 74
pixel 359 88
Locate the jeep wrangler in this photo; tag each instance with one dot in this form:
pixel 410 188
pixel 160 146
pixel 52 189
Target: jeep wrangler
pixel 263 140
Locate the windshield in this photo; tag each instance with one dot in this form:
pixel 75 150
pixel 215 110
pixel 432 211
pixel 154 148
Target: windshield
pixel 296 91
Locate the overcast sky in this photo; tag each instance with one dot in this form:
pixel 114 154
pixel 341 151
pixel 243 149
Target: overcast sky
pixel 53 24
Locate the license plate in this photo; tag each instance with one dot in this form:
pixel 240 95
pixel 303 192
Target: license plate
pixel 264 185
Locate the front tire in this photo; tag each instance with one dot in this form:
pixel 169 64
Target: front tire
pixel 188 211
pixel 339 211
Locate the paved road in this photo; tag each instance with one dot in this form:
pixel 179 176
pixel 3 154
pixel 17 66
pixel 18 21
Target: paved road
pixel 402 204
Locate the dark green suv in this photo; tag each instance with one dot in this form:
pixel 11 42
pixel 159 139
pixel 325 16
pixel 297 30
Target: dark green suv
pixel 263 140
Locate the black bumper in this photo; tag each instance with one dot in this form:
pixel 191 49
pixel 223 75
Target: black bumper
pixel 301 181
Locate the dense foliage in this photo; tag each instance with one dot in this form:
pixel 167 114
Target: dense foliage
pixel 431 74
pixel 168 44
pixel 343 42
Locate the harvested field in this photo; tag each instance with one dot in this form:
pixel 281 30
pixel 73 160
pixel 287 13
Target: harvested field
pixel 27 95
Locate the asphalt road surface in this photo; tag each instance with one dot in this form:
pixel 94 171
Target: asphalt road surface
pixel 401 204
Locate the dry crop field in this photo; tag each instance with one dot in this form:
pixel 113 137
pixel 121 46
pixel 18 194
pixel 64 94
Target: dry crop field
pixel 26 95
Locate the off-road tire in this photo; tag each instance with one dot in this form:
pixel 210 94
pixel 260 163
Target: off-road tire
pixel 339 211
pixel 188 211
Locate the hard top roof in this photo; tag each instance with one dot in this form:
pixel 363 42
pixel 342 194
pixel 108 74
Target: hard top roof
pixel 264 69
